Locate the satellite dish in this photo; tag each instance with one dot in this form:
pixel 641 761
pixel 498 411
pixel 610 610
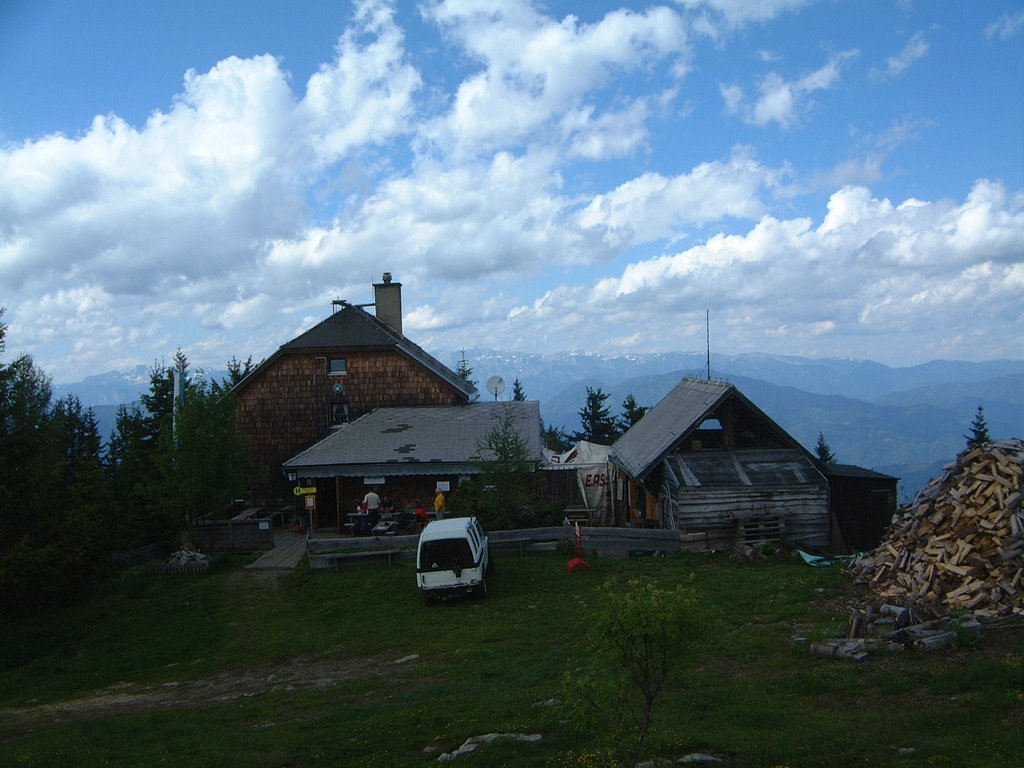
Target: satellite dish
pixel 495 385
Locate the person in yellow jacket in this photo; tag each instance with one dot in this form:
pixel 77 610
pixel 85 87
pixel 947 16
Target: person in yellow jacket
pixel 439 503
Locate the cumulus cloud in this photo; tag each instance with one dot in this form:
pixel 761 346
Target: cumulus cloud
pixel 365 96
pixel 537 70
pixel 869 267
pixel 783 101
pixel 549 155
pixel 653 206
pixel 179 207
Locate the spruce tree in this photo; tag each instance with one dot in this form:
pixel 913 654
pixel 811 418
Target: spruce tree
pixel 554 438
pixel 631 412
pixel 824 451
pixel 979 430
pixel 518 393
pixel 598 425
pixel 463 371
pixel 505 492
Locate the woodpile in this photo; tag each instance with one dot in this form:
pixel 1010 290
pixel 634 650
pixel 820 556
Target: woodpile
pixel 960 544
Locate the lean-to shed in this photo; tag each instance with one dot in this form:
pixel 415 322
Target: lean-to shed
pixel 708 462
pixel 405 453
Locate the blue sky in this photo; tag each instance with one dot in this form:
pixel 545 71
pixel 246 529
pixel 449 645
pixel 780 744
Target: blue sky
pixel 826 178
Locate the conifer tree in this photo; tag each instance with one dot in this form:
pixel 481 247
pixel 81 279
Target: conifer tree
pixel 518 393
pixel 505 493
pixel 631 412
pixel 824 451
pixel 463 371
pixel 598 425
pixel 979 430
pixel 554 438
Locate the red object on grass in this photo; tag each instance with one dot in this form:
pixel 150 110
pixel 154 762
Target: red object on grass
pixel 578 561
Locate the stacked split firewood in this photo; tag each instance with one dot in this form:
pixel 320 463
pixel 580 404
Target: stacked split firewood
pixel 960 544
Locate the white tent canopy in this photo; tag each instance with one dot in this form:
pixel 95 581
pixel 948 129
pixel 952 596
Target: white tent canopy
pixel 590 462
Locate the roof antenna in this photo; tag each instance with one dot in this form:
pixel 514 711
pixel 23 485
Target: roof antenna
pixel 707 330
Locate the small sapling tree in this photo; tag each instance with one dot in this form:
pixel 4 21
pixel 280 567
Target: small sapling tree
pixel 635 640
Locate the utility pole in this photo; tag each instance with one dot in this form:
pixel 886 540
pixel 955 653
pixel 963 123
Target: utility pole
pixel 707 330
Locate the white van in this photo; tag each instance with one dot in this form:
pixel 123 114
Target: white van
pixel 453 558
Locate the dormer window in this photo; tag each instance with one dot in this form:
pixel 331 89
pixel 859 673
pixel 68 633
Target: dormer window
pixel 339 366
pixel 339 414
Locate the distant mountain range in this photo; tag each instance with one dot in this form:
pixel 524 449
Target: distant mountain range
pixel 906 422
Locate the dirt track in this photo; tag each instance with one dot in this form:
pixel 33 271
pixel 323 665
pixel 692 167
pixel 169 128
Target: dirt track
pixel 128 698
pixel 301 672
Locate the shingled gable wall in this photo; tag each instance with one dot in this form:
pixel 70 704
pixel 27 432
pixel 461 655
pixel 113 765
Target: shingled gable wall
pixel 287 404
pixel 287 407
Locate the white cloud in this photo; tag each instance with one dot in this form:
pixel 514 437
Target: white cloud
pixel 199 188
pixel 451 223
pixel 916 48
pixel 783 101
pixel 616 134
pixel 737 12
pixel 537 70
pixel 182 208
pixel 552 152
pixel 653 206
pixel 1006 26
pixel 365 96
pixel 869 268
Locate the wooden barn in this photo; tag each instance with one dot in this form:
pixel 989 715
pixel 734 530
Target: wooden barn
pixel 707 462
pixel 338 370
pixel 404 454
pixel 863 503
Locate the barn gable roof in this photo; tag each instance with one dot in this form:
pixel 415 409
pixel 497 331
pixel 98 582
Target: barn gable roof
pixel 679 414
pixel 751 468
pixel 416 440
pixel 354 329
pixel 854 471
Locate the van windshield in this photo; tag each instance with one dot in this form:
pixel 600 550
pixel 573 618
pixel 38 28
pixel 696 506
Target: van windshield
pixel 445 555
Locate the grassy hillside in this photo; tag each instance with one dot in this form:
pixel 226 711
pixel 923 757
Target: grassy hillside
pixel 349 668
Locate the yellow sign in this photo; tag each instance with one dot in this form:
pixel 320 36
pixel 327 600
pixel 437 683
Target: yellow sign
pixel 302 491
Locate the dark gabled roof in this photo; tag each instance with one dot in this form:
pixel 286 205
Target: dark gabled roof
pixel 679 413
pixel 352 328
pixel 853 471
pixel 416 441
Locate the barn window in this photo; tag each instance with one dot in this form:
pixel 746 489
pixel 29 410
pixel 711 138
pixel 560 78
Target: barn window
pixel 339 366
pixel 708 435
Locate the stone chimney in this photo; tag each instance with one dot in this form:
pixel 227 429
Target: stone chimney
pixel 387 300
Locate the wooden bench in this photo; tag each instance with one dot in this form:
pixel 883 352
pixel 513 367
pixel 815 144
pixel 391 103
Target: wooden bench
pixel 335 559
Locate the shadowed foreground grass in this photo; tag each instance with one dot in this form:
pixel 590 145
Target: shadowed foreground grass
pixel 316 669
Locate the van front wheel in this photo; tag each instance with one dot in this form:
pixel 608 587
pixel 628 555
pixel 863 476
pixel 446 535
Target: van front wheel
pixel 480 590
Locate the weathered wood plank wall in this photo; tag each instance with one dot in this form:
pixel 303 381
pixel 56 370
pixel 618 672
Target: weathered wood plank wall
pixel 716 512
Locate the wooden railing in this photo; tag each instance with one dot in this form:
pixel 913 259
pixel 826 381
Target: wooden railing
pixel 606 542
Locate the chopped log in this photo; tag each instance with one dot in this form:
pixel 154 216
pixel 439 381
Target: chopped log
pixel 961 542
